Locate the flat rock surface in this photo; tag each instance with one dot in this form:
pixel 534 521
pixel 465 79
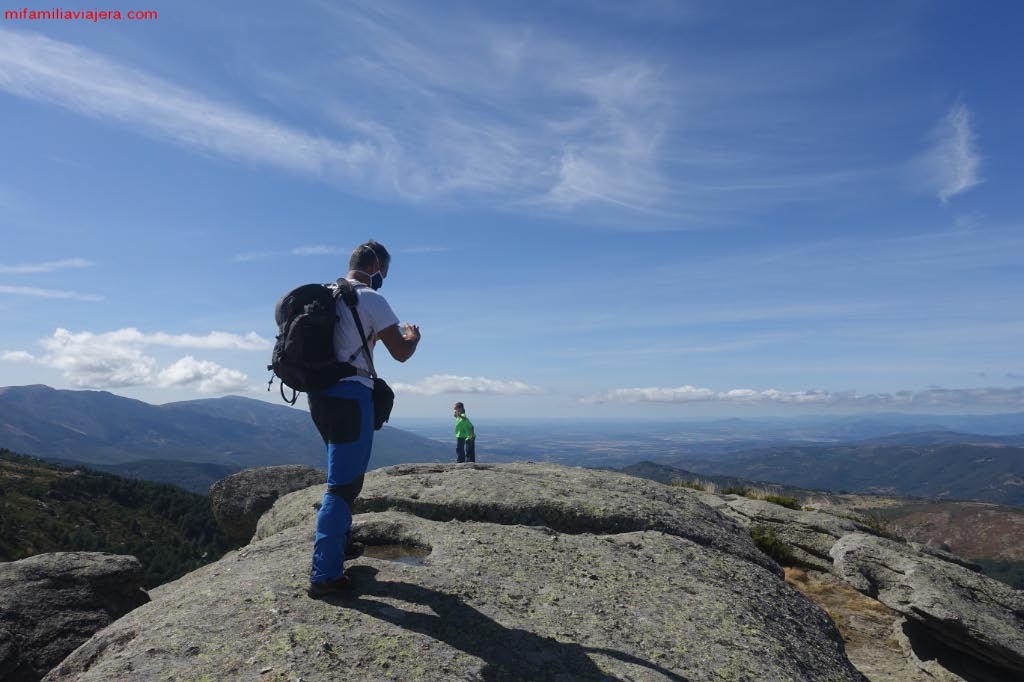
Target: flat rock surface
pixel 486 602
pixel 565 499
pixel 510 572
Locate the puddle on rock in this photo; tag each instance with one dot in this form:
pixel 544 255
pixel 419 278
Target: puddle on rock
pixel 403 554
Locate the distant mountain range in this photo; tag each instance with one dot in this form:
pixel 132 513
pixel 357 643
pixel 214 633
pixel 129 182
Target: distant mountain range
pixel 934 467
pixel 192 443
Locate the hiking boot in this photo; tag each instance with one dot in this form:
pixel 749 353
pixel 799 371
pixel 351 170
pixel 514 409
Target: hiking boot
pixel 316 590
pixel 354 550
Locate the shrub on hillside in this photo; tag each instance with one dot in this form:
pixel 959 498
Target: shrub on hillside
pixel 787 501
pixel 768 541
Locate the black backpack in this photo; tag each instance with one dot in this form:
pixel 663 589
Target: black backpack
pixel 304 358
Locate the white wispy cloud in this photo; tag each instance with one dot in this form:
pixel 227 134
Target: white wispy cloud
pixel 998 398
pixel 131 336
pixel 40 68
pixel 316 250
pixel 320 250
pixel 694 394
pixel 119 359
pixel 50 266
pixel 323 250
pixel 449 383
pixel 411 102
pixel 479 126
pixel 49 293
pixel 427 249
pixel 256 255
pixel 597 144
pixel 952 164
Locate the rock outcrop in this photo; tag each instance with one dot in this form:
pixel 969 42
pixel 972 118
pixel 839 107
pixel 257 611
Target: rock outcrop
pixel 239 500
pixel 956 623
pixel 506 572
pixel 960 609
pixel 52 603
pixel 810 535
pixel 874 634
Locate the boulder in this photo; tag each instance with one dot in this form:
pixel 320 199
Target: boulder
pixel 810 534
pixel 955 623
pixel 980 619
pixel 51 603
pixel 633 581
pixel 239 500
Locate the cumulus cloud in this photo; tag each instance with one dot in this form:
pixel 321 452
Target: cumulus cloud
pixel 88 364
pixel 448 383
pixel 208 377
pixel 119 358
pixel 934 397
pixel 952 164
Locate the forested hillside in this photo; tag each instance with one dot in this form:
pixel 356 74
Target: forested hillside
pixel 49 508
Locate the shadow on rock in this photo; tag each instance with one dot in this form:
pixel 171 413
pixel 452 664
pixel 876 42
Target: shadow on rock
pixel 508 653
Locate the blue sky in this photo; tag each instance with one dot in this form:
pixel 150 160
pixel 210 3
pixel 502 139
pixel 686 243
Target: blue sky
pixel 596 209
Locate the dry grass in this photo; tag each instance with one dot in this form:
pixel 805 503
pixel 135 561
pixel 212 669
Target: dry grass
pixel 766 494
pixel 851 611
pixel 695 484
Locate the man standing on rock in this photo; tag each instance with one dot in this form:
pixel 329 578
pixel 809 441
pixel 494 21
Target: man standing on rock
pixel 344 415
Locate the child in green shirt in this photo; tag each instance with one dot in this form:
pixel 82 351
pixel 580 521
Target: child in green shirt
pixel 465 436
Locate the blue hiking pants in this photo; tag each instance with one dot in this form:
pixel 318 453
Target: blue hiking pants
pixel 465 450
pixel 343 415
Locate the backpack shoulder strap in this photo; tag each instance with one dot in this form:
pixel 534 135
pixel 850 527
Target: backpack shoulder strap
pixel 347 293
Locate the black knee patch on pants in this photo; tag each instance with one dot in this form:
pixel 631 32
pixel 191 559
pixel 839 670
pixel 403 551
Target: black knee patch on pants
pixel 339 420
pixel 348 491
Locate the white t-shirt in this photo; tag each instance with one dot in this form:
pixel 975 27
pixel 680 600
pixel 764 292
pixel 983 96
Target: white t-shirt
pixel 375 314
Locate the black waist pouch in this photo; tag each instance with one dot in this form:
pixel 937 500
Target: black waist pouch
pixel 383 402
